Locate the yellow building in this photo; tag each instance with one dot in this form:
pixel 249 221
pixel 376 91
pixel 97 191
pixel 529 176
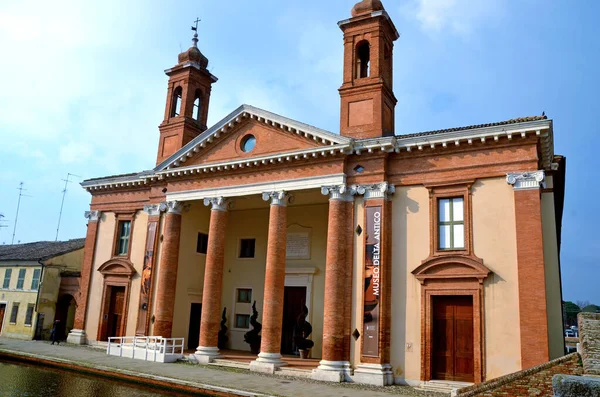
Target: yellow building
pixel 38 284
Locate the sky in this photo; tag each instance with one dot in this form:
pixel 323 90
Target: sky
pixel 82 89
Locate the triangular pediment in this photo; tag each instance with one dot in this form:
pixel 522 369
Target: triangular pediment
pixel 273 134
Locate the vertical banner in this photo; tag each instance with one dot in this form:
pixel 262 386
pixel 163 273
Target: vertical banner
pixel 372 276
pixel 145 290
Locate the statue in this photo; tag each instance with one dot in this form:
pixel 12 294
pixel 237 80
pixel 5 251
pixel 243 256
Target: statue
pixel 223 338
pixel 252 337
pixel 302 330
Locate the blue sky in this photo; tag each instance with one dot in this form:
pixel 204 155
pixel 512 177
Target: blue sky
pixel 82 88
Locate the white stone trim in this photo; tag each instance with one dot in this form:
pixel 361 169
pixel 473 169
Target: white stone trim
pixel 333 371
pixel 301 277
pixel 76 337
pixel 172 207
pixel 374 374
pixel 339 192
pixel 376 191
pixel 267 363
pixel 280 198
pixel 206 355
pixel 526 180
pixel 92 216
pixel 218 203
pixel 152 209
pixel 259 188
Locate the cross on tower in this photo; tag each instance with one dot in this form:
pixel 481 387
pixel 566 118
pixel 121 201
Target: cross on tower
pixel 195 28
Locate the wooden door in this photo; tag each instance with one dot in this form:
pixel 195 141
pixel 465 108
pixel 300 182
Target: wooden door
pixel 452 344
pixel 2 311
pixel 194 328
pixel 294 299
pixel 116 310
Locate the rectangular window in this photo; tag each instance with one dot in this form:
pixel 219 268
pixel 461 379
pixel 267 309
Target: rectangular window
pixel 13 313
pixel 451 226
pixel 244 295
pixel 247 246
pixel 21 279
pixel 124 231
pixel 202 243
pixel 29 314
pixel 7 275
pixel 242 321
pixel 35 283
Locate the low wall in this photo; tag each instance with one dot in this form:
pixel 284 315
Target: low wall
pixel 589 335
pixel 536 381
pixel 575 386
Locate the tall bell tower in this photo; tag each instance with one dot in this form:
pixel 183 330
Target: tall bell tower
pixel 188 96
pixel 367 97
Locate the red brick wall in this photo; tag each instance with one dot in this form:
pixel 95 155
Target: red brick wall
pixel 536 381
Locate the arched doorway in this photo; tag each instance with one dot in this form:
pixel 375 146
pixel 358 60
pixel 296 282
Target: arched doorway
pixel 115 298
pixel 65 313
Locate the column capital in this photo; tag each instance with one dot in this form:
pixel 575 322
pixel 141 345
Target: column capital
pixel 381 190
pixel 92 216
pixel 173 207
pixel 218 203
pixel 339 192
pixel 526 180
pixel 152 209
pixel 281 198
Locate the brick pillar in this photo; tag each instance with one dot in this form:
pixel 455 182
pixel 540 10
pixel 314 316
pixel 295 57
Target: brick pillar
pixel 77 334
pixel 375 367
pixel 167 272
pixel 335 365
pixel 530 267
pixel 213 281
pixel 270 349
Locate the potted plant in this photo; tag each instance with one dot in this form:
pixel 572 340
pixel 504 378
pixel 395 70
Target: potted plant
pixel 302 330
pixel 252 337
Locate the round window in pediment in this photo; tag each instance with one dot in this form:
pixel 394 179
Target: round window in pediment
pixel 248 143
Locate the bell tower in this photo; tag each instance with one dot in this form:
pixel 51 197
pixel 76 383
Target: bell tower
pixel 188 96
pixel 367 97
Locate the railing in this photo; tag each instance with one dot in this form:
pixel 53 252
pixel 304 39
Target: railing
pixel 149 348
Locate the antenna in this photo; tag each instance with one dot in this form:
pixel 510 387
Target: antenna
pixel 20 189
pixel 2 220
pixel 62 203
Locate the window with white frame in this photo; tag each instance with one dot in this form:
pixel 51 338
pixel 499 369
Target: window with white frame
pixel 29 314
pixel 124 231
pixel 451 223
pixel 247 247
pixel 14 312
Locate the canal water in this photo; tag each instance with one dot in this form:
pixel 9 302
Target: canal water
pixel 21 380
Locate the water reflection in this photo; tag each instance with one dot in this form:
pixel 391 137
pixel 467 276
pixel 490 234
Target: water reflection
pixel 21 380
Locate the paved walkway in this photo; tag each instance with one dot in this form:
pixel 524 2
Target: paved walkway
pixel 237 382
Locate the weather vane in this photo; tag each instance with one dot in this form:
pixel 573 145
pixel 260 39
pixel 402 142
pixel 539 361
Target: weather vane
pixel 195 28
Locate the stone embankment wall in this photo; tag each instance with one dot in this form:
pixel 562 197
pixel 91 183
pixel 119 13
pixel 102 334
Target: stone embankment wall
pixel 536 381
pixel 589 335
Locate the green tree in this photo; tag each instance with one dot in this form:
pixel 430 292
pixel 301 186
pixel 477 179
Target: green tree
pixel 571 310
pixel 591 309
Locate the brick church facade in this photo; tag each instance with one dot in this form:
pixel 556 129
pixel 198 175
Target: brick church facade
pixel 426 256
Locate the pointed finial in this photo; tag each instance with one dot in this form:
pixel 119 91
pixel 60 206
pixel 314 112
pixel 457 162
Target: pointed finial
pixel 195 29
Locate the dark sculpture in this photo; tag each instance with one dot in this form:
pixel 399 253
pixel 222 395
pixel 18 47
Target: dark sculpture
pixel 302 331
pixel 223 338
pixel 252 337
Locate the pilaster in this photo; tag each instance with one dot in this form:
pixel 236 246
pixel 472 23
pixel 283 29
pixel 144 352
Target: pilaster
pixel 533 317
pixel 77 335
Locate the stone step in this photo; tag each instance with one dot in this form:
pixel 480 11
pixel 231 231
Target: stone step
pixel 299 372
pixel 443 386
pixel 230 364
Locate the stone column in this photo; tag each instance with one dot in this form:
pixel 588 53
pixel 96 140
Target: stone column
pixel 533 316
pixel 167 271
pixel 269 358
pixel 77 334
pixel 213 281
pixel 335 365
pixel 375 369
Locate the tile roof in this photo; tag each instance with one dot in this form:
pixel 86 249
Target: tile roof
pixel 473 127
pixel 40 250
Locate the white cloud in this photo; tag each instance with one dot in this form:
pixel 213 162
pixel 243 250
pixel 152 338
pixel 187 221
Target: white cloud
pixel 459 17
pixel 74 152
